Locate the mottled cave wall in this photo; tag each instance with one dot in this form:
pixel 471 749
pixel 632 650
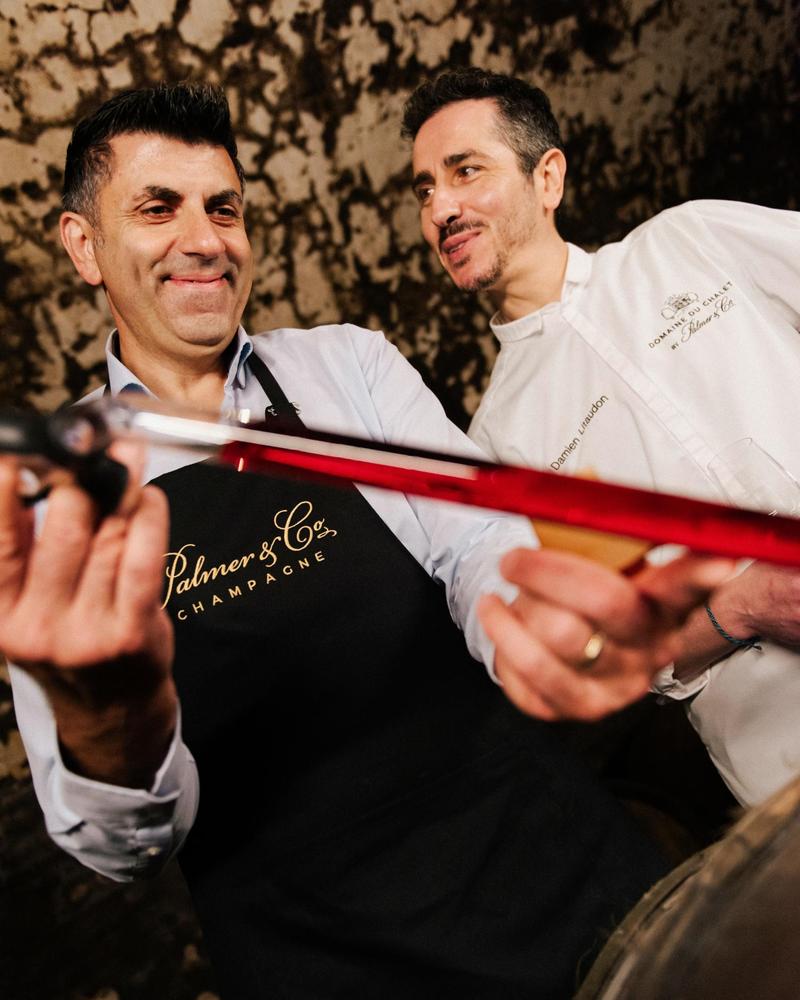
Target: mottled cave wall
pixel 660 101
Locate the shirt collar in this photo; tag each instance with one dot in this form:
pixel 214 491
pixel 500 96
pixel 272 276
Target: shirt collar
pixel 243 348
pixel 121 378
pixel 579 269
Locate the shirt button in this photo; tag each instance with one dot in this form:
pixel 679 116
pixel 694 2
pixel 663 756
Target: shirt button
pixel 153 852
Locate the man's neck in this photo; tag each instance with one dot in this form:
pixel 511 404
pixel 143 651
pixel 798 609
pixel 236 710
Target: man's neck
pixel 533 280
pixel 197 381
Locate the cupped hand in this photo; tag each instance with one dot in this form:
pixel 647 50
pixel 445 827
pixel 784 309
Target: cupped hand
pixel 543 654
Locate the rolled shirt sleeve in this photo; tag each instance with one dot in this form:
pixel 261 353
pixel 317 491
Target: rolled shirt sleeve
pixel 666 684
pixel 122 833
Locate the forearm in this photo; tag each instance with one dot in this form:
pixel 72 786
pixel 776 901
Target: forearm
pixel 119 741
pixel 701 647
pixel 702 643
pixel 81 616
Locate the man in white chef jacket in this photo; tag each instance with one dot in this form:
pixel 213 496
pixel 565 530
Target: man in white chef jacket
pixel 669 360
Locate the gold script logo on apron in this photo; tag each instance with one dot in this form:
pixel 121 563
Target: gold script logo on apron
pixel 292 549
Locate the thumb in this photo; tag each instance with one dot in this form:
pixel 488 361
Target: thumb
pixel 684 583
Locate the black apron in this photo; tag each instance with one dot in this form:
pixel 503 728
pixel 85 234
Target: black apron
pixel 376 820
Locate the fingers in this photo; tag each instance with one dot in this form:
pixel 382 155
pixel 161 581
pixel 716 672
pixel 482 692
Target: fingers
pixel 119 591
pixel 566 579
pixel 58 557
pixel 121 588
pixel 543 684
pixel 516 657
pixel 100 574
pixel 624 608
pixel 133 455
pixel 541 637
pixel 679 586
pixel 62 596
pixel 141 577
pixel 73 551
pixel 35 605
pixel 558 627
pixel 16 534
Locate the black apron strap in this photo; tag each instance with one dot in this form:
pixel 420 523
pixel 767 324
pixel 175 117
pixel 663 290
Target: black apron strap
pixel 279 407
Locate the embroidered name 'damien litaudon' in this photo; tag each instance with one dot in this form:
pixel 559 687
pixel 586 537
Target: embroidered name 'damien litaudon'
pixel 573 444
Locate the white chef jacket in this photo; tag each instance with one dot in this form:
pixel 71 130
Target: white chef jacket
pixel 664 349
pixel 342 379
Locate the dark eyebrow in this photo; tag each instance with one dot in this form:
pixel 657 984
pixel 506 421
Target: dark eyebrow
pixel 172 197
pixel 452 160
pixel 224 198
pixel 162 194
pixel 423 177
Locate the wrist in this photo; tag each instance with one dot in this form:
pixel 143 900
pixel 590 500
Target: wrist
pixel 729 605
pixel 121 742
pixel 742 641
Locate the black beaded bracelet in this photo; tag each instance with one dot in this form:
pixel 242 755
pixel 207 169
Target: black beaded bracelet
pixel 751 643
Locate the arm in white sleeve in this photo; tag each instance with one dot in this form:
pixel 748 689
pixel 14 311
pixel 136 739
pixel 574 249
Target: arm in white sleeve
pixel 120 832
pixel 765 242
pixel 464 544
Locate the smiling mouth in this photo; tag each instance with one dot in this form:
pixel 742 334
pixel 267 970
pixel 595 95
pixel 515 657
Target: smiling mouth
pixel 456 251
pixel 197 280
pixel 456 239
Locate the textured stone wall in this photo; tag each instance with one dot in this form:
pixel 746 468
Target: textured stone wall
pixel 660 101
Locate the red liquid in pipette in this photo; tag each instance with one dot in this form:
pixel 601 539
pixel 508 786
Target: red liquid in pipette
pixel 659 518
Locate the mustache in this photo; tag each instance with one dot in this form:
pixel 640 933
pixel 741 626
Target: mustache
pixel 461 226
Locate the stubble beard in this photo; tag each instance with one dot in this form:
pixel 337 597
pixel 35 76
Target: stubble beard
pixel 511 235
pixel 489 278
pixel 480 282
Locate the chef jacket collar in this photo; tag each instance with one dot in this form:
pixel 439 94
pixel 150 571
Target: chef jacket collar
pixel 579 267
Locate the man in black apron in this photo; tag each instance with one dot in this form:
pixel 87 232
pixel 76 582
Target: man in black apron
pixel 375 818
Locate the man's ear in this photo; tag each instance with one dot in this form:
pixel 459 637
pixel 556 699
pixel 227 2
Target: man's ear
pixel 551 170
pixel 79 237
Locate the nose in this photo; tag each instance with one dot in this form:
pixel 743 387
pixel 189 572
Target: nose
pixel 445 207
pixel 199 236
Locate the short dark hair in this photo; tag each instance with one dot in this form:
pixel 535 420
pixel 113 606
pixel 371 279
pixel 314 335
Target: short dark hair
pixel 195 113
pixel 526 121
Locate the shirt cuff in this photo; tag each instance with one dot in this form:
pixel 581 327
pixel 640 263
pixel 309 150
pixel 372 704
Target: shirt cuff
pixel 145 825
pixel 667 686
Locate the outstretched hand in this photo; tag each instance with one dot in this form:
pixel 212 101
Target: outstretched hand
pixel 80 610
pixel 580 641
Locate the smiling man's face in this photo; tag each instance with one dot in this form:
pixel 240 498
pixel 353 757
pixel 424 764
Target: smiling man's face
pixel 478 211
pixel 170 247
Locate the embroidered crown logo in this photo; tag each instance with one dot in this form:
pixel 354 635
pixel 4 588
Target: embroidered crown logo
pixel 677 303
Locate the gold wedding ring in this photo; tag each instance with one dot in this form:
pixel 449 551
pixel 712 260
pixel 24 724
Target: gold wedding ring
pixel 592 650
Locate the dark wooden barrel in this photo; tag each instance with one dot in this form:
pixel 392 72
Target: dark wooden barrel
pixel 725 925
